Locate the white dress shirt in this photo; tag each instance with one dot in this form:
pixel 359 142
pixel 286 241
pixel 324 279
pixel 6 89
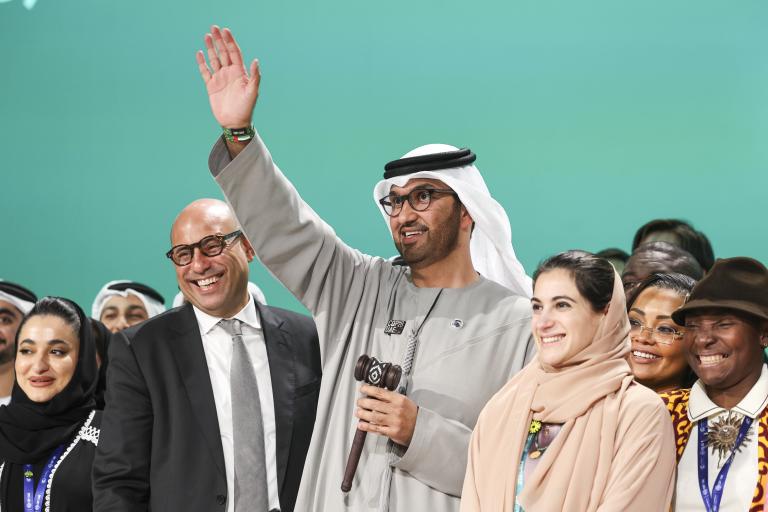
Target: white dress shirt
pixel 5 400
pixel 742 477
pixel 217 344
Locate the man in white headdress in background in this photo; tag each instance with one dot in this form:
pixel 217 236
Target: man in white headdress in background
pixel 122 303
pixel 15 302
pixel 455 315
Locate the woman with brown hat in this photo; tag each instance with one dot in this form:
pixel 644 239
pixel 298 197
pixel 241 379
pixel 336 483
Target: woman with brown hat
pixel 721 424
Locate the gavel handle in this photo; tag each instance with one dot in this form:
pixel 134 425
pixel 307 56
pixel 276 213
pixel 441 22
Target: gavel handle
pixel 352 461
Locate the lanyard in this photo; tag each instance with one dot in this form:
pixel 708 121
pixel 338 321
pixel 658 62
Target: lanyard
pixel 413 340
pixel 712 501
pixel 33 498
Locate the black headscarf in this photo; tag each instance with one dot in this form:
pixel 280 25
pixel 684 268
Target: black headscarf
pixel 29 431
pixel 101 336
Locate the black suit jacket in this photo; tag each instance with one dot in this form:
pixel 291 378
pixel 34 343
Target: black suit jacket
pixel 160 446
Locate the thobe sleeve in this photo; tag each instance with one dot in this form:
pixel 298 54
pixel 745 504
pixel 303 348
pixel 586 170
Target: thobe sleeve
pixel 289 238
pixel 642 476
pixel 470 499
pixel 437 455
pixel 121 464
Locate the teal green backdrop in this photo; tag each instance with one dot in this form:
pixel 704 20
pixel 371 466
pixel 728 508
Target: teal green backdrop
pixel 589 118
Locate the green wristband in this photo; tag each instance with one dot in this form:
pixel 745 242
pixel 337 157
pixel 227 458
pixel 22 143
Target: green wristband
pixel 239 134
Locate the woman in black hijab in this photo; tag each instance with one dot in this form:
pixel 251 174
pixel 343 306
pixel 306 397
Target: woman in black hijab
pixel 49 432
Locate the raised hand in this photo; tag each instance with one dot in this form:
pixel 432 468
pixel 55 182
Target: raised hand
pixel 231 91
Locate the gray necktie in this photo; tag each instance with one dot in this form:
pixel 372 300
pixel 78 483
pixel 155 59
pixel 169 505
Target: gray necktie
pixel 251 493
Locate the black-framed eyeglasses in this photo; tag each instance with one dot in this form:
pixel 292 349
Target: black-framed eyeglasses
pixel 418 198
pixel 210 246
pixel 663 334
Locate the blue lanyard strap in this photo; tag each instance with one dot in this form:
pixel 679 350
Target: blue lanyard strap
pixel 712 501
pixel 33 498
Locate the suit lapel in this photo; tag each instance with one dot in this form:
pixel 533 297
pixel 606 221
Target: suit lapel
pixel 190 357
pixel 283 376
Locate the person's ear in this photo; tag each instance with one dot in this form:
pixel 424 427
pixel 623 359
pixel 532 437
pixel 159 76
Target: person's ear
pixel 467 222
pixel 248 248
pixel 764 334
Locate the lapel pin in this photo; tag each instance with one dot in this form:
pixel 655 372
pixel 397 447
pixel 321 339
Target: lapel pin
pixel 457 323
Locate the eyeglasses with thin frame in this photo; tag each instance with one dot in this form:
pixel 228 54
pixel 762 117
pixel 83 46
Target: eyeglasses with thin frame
pixel 210 246
pixel 663 334
pixel 418 198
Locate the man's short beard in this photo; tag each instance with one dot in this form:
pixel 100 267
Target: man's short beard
pixel 445 240
pixel 6 355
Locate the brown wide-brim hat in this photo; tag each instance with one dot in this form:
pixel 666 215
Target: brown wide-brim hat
pixel 739 284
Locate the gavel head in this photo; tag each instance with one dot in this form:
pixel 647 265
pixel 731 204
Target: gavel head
pixel 382 375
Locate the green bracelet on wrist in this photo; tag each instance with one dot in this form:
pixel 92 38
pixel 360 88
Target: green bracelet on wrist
pixel 239 134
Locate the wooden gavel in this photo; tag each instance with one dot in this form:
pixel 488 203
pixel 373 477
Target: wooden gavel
pixel 383 375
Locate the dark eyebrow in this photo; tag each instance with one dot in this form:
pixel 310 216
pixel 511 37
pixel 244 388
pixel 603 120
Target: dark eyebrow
pixel 136 306
pixel 638 311
pixel 422 186
pixel 557 297
pixel 8 311
pixel 54 341
pixel 108 308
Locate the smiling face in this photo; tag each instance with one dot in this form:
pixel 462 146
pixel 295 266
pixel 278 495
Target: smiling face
pixel 46 357
pixel 122 312
pixel 660 366
pixel 423 238
pixel 217 285
pixel 725 348
pixel 564 322
pixel 10 318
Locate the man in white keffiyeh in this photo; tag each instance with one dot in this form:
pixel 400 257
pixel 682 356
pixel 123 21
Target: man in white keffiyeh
pixel 120 304
pixel 454 312
pixel 15 302
pixel 491 243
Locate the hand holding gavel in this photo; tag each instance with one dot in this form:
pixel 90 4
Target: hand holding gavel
pixel 383 375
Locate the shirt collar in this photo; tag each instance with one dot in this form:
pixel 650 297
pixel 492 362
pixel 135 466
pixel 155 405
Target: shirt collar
pixel 247 315
pixel 700 406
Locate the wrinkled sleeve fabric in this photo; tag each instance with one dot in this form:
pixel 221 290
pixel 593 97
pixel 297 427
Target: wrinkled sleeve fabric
pixel 470 498
pixel 122 462
pixel 437 454
pixel 290 239
pixel 642 478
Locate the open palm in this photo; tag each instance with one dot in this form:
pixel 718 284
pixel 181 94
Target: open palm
pixel 231 91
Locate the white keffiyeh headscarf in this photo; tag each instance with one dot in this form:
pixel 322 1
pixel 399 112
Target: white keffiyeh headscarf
pixel 491 244
pixel 152 306
pixel 7 294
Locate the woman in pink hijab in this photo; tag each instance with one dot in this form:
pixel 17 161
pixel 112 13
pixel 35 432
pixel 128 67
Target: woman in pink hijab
pixel 573 431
